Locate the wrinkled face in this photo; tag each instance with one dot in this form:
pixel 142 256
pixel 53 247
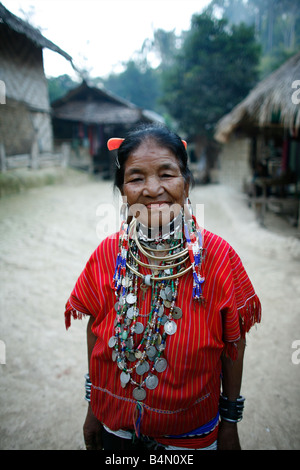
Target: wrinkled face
pixel 154 187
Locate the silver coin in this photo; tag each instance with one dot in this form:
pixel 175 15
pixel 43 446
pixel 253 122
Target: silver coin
pixel 151 352
pixel 124 377
pixel 139 394
pixel 170 327
pixel 161 365
pixel 177 313
pixel 151 382
pixel 112 341
pixel 131 298
pixel 117 306
pixel 130 313
pixel 139 328
pixel 142 368
pixel 167 303
pixel 164 318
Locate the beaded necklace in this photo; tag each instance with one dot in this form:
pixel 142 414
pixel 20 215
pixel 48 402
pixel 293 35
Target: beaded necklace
pixel 137 349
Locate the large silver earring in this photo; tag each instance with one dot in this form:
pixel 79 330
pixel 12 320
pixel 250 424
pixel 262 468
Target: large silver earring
pixel 188 210
pixel 124 212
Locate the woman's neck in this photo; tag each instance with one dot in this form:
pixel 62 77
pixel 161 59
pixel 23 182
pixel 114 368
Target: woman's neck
pixel 173 229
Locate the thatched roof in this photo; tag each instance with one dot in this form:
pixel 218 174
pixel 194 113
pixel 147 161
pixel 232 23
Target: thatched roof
pixel 22 27
pixel 92 105
pixel 272 96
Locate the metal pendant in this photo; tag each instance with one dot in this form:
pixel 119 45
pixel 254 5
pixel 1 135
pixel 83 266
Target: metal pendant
pixel 130 312
pixel 151 382
pixel 112 341
pixel 151 351
pixel 177 313
pixel 167 303
pixel 139 394
pixel 142 368
pixel 138 328
pixel 121 364
pixel 131 357
pixel 170 327
pixel 124 377
pixel 163 294
pixel 160 311
pixel 114 355
pixel 161 365
pixel 131 298
pixel 169 293
pixel 138 354
pixel 158 340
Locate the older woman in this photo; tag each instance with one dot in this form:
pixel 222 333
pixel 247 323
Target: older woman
pixel 169 304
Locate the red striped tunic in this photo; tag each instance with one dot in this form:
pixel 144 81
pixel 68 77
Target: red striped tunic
pixel 188 391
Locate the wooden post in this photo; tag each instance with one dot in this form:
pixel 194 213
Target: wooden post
pixel 65 154
pixel 34 154
pixel 2 158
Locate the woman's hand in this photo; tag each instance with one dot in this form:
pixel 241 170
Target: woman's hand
pixel 92 429
pixel 228 438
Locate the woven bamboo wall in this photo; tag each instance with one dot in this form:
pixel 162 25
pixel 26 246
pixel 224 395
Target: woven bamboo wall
pixel 27 111
pixel 21 69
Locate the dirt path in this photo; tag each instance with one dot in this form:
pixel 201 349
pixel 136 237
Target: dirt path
pixel 47 235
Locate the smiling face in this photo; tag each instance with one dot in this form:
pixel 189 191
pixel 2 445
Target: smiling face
pixel 154 187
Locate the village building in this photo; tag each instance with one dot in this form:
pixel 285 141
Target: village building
pixel 260 154
pixel 86 117
pixel 25 112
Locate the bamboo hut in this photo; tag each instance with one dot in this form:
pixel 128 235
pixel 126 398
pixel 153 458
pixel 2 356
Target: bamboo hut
pixel 261 140
pixel 25 113
pixel 86 117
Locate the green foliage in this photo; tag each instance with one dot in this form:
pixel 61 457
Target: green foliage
pixel 207 70
pixel 213 71
pixel 59 86
pixel 139 84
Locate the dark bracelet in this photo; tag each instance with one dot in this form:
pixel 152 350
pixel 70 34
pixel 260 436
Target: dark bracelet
pixel 231 411
pixel 88 385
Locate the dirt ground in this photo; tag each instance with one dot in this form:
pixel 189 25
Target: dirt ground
pixel 46 237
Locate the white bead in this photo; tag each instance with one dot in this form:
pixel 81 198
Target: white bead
pixel 147 280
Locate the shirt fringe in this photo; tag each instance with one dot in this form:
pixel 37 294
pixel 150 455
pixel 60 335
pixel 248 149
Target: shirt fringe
pixel 71 312
pixel 250 313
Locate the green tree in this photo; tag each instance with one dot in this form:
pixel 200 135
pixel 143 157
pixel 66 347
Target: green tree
pixel 59 86
pixel 214 70
pixel 138 83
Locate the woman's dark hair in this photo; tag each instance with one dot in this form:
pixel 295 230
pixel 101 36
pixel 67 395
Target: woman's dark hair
pixel 163 137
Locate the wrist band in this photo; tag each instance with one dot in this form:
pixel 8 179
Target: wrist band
pixel 88 385
pixel 231 411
